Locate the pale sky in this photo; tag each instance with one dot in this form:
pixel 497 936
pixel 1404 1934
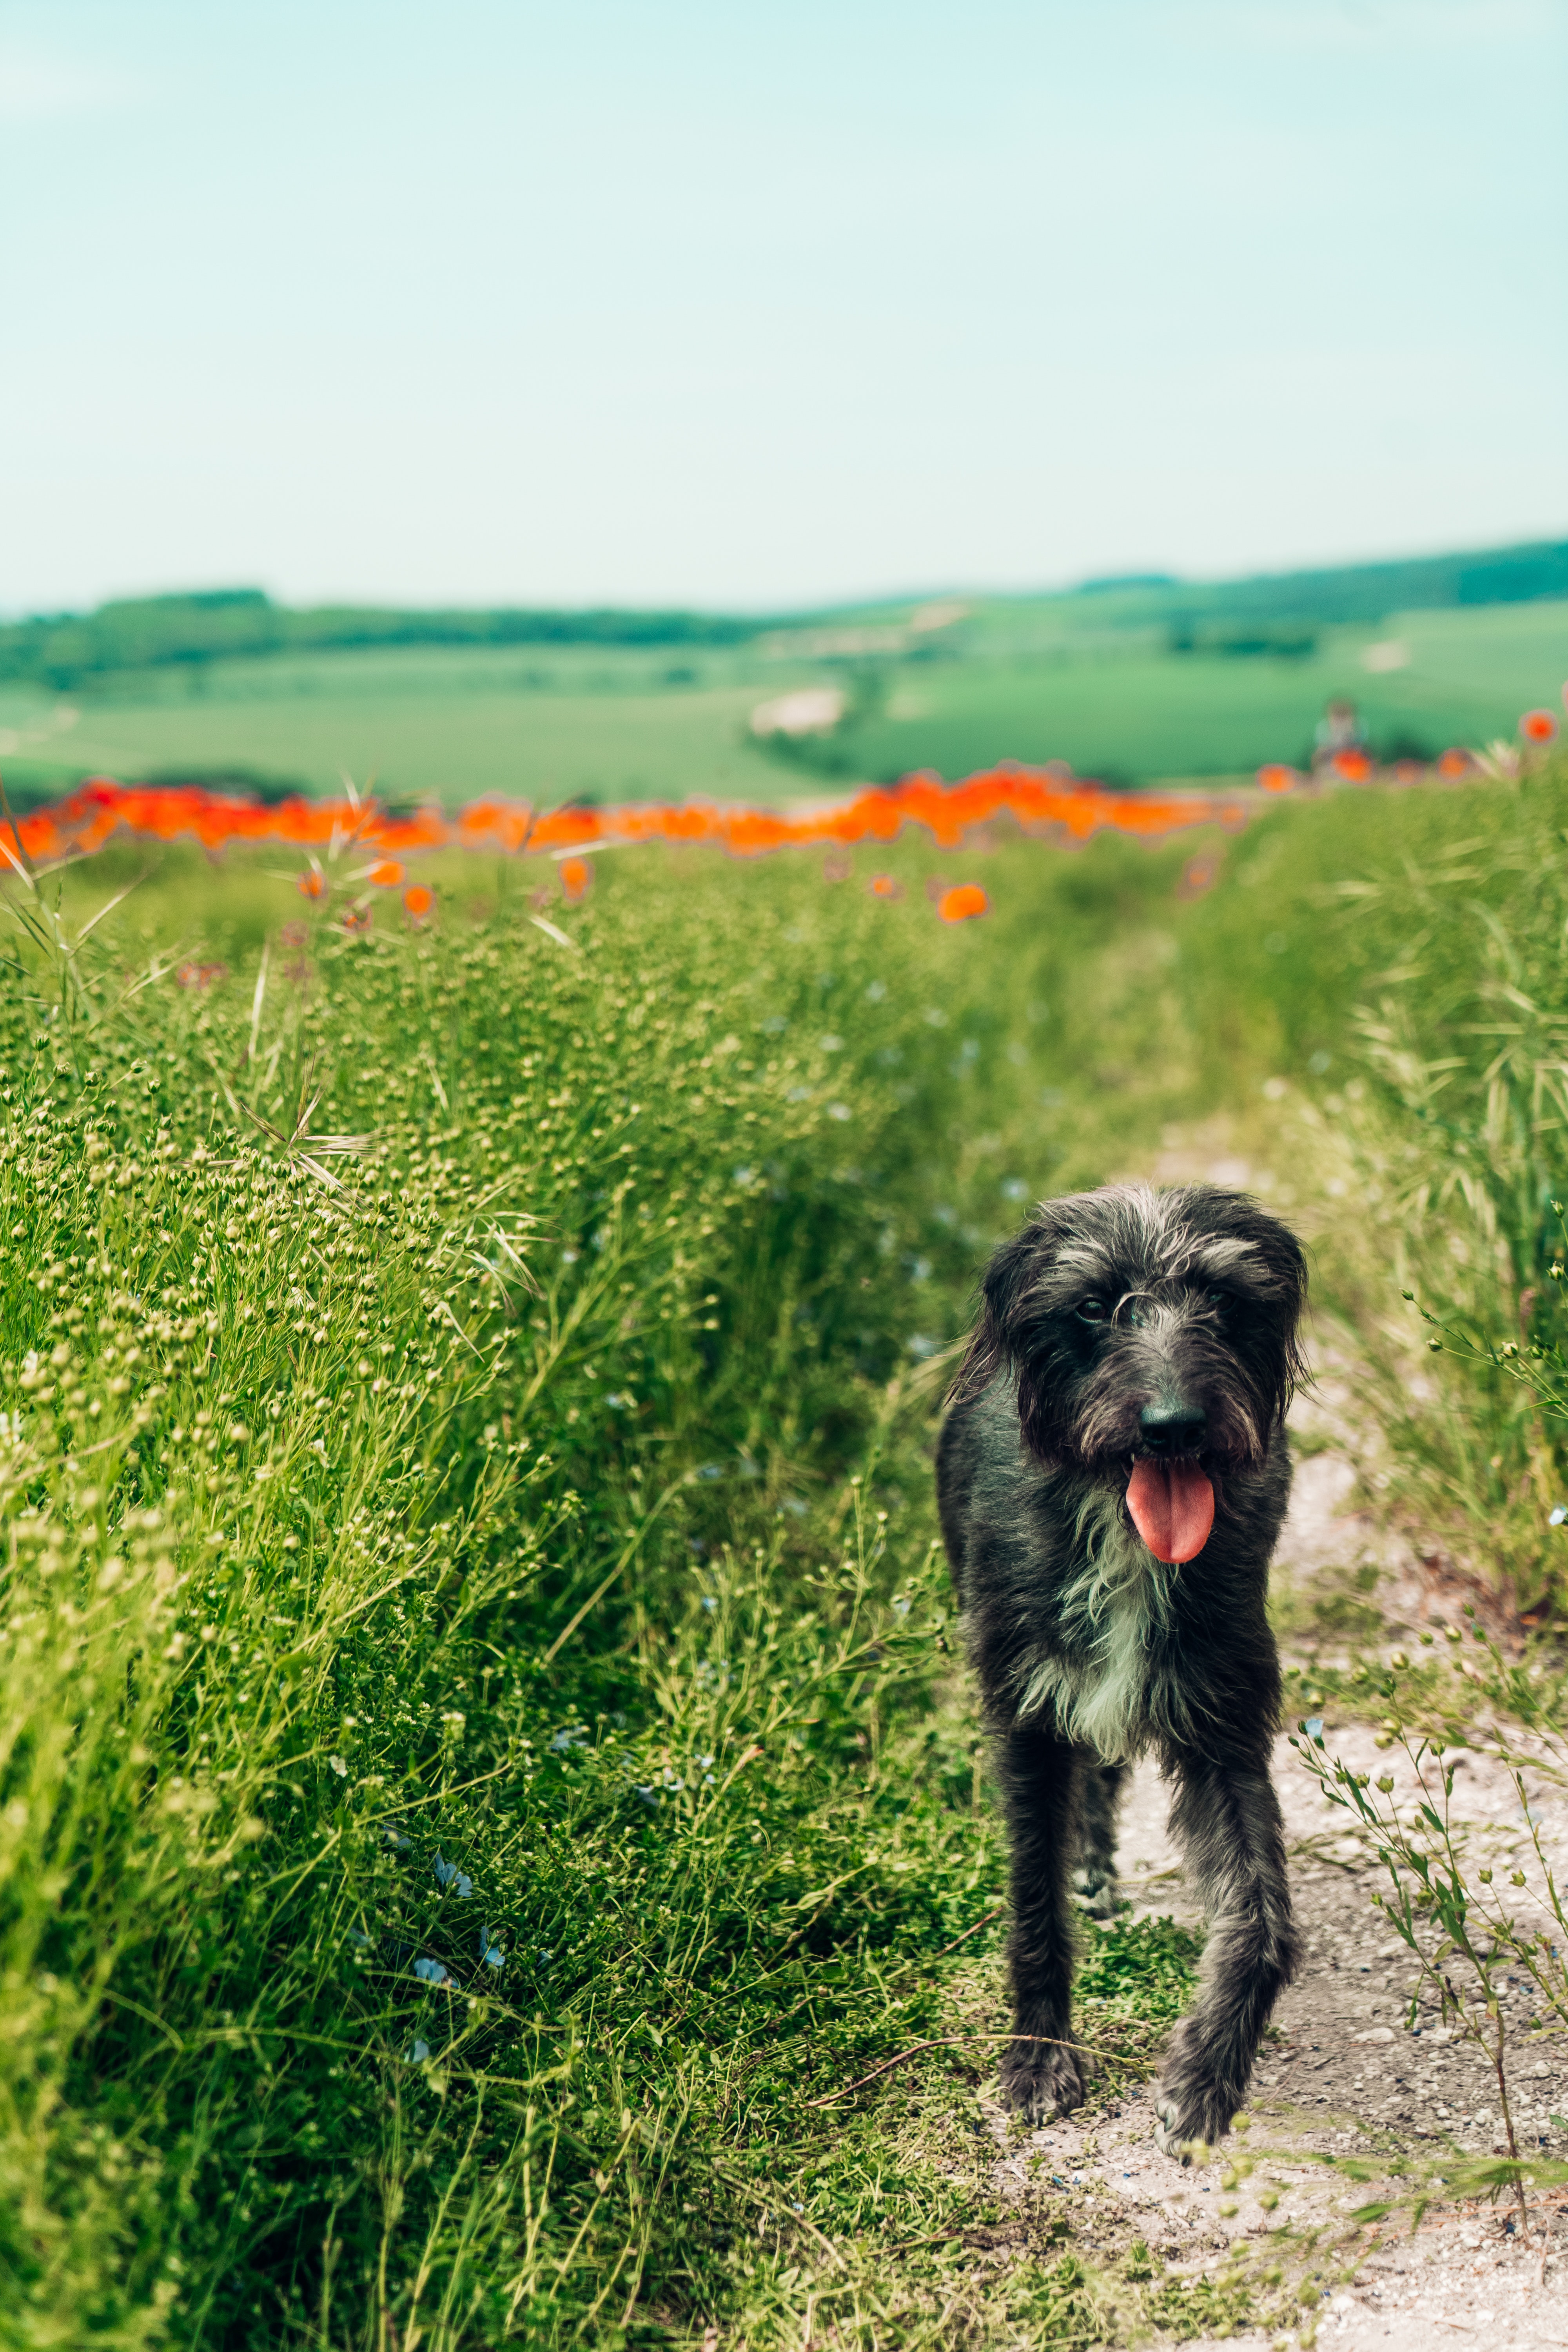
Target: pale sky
pixel 478 301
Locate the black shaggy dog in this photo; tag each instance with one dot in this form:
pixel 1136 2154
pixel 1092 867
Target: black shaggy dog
pixel 1112 1477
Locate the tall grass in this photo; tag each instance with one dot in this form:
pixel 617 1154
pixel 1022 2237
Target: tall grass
pixel 1463 1143
pixel 483 1775
pixel 476 1772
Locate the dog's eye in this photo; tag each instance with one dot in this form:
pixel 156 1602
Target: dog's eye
pixel 1092 1310
pixel 1216 1299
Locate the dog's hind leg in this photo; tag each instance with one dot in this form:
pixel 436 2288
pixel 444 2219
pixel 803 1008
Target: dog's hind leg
pixel 1041 1777
pixel 1227 1818
pixel 1100 1797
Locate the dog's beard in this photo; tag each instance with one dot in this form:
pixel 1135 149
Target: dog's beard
pixel 1172 1503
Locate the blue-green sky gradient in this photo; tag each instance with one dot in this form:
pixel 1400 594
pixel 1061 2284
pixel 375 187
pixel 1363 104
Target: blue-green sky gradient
pixel 722 303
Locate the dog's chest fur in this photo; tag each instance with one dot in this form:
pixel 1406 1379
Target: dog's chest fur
pixel 1101 1669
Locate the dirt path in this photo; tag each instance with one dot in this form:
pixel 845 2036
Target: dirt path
pixel 1342 2073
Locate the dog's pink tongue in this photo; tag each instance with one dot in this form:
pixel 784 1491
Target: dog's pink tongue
pixel 1171 1504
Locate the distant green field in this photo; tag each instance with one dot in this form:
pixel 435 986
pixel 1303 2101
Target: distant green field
pixel 1137 712
pixel 1101 681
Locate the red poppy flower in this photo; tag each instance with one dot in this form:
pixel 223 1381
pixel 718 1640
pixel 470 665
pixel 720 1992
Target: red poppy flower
pixel 957 906
pixel 1454 763
pixel 419 901
pixel 1275 778
pixel 1354 766
pixel 1200 873
pixel 1538 726
pixel 386 873
pixel 311 884
pixel 576 878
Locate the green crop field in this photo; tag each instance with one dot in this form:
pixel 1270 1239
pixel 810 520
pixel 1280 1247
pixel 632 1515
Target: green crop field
pixel 1135 686
pixel 1136 712
pixel 486 1781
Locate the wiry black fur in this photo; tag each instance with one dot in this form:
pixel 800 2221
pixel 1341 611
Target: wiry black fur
pixel 1086 1649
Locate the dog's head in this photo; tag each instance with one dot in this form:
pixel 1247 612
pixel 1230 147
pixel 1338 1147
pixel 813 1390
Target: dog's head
pixel 1153 1336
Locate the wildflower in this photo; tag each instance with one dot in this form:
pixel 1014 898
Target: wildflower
pixel 1538 726
pixel 489 1951
pixel 1199 873
pixel 339 1766
pixel 960 904
pixel 418 2054
pixel 449 1874
pixel 386 873
pixel 432 1972
pixel 884 885
pixel 1313 1728
pixel 1455 761
pixel 1275 778
pixel 577 879
pixel 565 1740
pixel 311 883
pixel 1556 1515
pixel 418 902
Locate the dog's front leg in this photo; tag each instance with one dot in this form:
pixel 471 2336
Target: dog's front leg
pixel 1039 1774
pixel 1227 1818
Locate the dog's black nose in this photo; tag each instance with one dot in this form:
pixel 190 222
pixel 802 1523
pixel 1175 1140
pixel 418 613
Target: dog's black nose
pixel 1173 1428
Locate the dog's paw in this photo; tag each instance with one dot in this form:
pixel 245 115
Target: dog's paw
pixel 1192 2115
pixel 1097 1896
pixel 1041 2081
pixel 1193 2101
pixel 1175 2133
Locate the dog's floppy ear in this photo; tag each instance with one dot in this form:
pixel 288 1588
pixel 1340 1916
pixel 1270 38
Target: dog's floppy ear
pixel 1286 1264
pixel 1007 1293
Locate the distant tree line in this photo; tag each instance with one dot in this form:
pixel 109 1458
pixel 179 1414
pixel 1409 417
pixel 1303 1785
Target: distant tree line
pixel 1277 612
pixel 68 649
pixel 1264 612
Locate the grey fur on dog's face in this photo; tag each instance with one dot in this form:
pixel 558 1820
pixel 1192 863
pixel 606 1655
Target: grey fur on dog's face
pixel 1111 1303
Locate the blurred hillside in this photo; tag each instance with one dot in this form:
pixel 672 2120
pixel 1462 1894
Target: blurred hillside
pixel 1132 680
